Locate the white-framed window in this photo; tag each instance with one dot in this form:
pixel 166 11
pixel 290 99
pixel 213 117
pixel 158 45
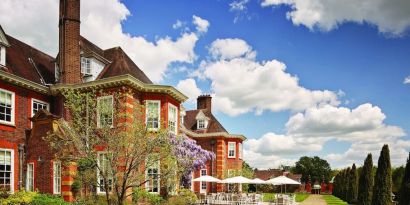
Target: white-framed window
pixel 56 177
pixel 231 149
pixel 7 107
pixel 7 170
pixel 172 118
pixel 30 177
pixel 201 124
pixel 153 174
pixel 240 149
pixel 203 184
pixel 153 113
pixel 56 72
pixel 2 55
pixel 105 111
pixel 37 105
pixel 86 66
pixel 105 169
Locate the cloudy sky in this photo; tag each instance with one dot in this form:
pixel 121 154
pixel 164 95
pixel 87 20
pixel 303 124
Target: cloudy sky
pixel 297 77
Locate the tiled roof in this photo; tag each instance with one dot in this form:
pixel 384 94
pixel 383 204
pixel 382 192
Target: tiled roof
pixel 121 64
pixel 32 64
pixel 213 125
pixel 272 173
pixel 27 62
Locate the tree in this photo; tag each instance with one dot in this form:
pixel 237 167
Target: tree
pixel 397 178
pixel 366 182
pixel 352 190
pixel 404 193
pixel 383 181
pixel 106 134
pixel 314 167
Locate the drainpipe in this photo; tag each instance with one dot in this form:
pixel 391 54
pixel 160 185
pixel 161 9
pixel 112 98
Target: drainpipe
pixel 21 159
pixel 212 165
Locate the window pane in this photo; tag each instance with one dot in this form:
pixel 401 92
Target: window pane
pixel 6 106
pixel 5 169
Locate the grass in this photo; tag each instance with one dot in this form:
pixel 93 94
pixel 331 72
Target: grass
pixel 270 197
pixel 301 196
pixel 332 200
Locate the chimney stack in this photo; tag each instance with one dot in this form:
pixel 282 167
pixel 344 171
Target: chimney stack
pixel 69 41
pixel 204 102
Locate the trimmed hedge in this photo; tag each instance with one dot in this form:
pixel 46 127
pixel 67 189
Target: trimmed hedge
pixel 32 198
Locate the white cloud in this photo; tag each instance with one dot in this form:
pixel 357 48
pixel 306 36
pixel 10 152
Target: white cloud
pixel 230 48
pixel 239 5
pixel 407 80
pixel 101 23
pixel 241 84
pixel 364 123
pixel 189 88
pixel 266 161
pixel 201 24
pixel 308 131
pixel 178 24
pixel 389 16
pixel 273 144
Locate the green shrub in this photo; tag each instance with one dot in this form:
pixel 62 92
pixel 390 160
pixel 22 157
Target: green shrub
pixel 187 195
pixel 31 198
pixel 141 194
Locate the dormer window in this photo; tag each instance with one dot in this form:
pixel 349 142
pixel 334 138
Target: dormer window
pixel 2 56
pixel 201 124
pixel 86 66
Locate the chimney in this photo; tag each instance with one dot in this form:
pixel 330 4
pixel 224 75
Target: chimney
pixel 204 102
pixel 69 42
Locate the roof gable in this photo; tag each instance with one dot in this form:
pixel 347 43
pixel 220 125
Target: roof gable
pixel 3 38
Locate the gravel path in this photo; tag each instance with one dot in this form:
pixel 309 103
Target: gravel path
pixel 314 199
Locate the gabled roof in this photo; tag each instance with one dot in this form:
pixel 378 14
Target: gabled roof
pixel 121 64
pixel 214 125
pixel 3 39
pixel 29 63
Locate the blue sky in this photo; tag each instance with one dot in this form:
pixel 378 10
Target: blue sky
pixel 352 73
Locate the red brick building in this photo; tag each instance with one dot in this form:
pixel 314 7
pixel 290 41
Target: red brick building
pixel 31 102
pixel 201 125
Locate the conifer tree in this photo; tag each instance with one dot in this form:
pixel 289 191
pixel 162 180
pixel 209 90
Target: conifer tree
pixel 404 193
pixel 366 182
pixel 383 180
pixel 352 186
pixel 346 184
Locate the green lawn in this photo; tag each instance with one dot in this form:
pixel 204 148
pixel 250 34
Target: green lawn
pixel 332 200
pixel 301 197
pixel 270 197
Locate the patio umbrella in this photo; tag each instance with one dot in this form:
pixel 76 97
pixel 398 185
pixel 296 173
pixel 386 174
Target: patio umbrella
pixel 257 181
pixel 206 178
pixel 237 180
pixel 283 180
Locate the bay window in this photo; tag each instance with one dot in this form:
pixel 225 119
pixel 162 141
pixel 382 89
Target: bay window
pixel 240 150
pixel 152 174
pixel 153 114
pixel 231 149
pixel 104 173
pixel 172 118
pixel 105 111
